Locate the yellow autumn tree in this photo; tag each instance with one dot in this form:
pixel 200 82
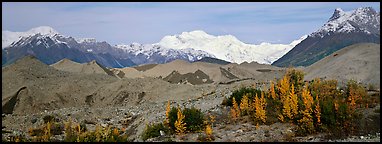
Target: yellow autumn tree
pixel 293 102
pixel 235 111
pixel 307 99
pixel 47 134
pixel 352 100
pixel 236 107
pixel 233 114
pixel 285 99
pixel 317 111
pixel 284 87
pixel 263 103
pixel 287 108
pixel 208 132
pixel 260 105
pixel 272 91
pixel 244 105
pixel 180 125
pixel 212 120
pixel 168 109
pixel 79 132
pixel 280 117
pixel 306 122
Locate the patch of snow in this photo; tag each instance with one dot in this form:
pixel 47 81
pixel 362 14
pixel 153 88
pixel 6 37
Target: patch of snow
pixel 86 40
pixel 38 43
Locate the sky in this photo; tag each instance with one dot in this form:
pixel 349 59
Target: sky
pixel 149 22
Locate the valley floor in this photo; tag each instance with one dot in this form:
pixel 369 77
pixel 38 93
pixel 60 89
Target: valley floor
pixel 134 119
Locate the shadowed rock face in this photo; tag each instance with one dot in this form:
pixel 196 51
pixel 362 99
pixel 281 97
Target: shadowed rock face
pixel 199 77
pixel 213 60
pixel 9 105
pixel 227 74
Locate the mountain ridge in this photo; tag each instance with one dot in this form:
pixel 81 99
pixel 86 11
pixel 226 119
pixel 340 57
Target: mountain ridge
pixel 342 29
pixel 157 53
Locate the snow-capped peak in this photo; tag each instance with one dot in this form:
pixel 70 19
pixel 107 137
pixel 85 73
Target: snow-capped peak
pixel 195 34
pixel 364 19
pixel 195 39
pixel 43 30
pixel 9 37
pixel 338 12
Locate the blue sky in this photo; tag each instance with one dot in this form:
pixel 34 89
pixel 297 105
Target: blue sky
pixel 149 22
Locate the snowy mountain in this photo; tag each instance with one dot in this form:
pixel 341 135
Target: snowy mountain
pixel 34 41
pixel 9 37
pixel 190 46
pixel 361 25
pixel 151 53
pixel 227 47
pixel 195 45
pixel 364 19
pixel 49 46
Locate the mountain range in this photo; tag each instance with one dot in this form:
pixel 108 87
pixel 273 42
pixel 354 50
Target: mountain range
pixel 342 29
pixel 49 46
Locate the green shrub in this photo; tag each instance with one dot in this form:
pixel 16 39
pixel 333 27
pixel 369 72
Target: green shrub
pixel 272 111
pixel 342 114
pixel 296 78
pixel 337 115
pixel 238 95
pixel 194 119
pixel 328 115
pixel 173 116
pixel 153 130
